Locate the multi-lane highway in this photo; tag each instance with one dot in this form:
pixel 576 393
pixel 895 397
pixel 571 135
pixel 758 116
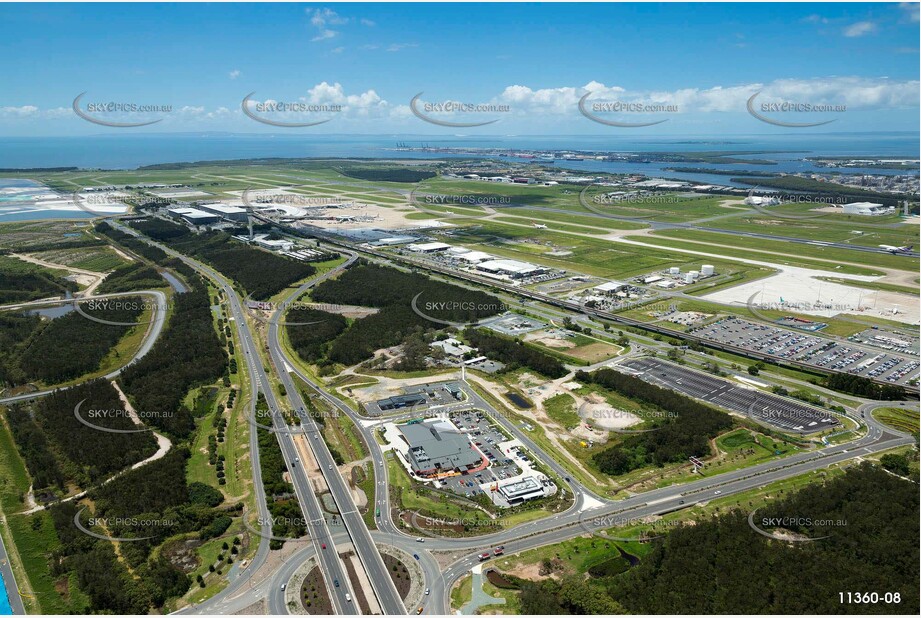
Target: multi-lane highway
pixel 589 513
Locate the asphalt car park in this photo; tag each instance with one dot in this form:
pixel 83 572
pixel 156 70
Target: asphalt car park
pixel 486 438
pixel 784 414
pixel 785 344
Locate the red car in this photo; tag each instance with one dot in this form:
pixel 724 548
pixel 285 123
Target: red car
pixel 499 550
pixel 484 556
pixel 323 545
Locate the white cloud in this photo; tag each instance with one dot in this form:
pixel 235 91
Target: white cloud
pixel 913 10
pixel 321 19
pixel 859 29
pixel 395 47
pixel 855 92
pixel 21 111
pixel 368 22
pixel 337 50
pixel 234 74
pixel 325 34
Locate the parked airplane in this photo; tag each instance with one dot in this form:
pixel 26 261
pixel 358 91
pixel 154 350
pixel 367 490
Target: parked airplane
pixel 539 226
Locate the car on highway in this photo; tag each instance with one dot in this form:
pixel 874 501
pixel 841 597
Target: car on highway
pixel 348 597
pixel 419 611
pixel 323 545
pixel 283 586
pixel 416 556
pixel 330 467
pixel 484 556
pixel 336 583
pixel 717 492
pixel 419 539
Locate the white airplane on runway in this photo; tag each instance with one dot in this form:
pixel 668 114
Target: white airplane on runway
pixel 893 249
pixel 539 226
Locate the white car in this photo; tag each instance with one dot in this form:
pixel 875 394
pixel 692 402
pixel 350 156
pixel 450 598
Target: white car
pixel 427 591
pixel 348 597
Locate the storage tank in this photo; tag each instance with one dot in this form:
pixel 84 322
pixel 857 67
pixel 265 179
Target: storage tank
pixel 706 270
pixel 688 278
pixel 674 270
pixel 695 274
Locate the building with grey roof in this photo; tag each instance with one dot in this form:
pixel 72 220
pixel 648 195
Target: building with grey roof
pixel 437 447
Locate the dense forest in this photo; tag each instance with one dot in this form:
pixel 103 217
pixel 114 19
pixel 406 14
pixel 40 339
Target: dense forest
pixel 154 501
pixel 261 273
pixel 133 244
pixel 58 448
pixel 131 277
pixel 685 432
pixel 865 387
pixel 187 354
pixel 21 282
pixel 67 347
pixel 514 353
pixel 391 291
pixel 310 331
pixel 15 330
pixel 722 566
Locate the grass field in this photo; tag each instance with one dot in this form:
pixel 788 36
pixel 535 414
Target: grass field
pixel 898 418
pixel 562 409
pixel 808 253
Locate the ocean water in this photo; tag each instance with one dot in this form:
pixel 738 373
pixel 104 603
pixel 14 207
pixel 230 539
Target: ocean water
pixel 130 150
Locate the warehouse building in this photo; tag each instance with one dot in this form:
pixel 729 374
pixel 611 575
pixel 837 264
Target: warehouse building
pixel 231 213
pixel 511 268
pixel 427 247
pixel 437 447
pixel 610 287
pixel 194 216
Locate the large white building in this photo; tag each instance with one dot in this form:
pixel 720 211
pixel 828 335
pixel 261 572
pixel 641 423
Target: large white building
pixel 510 268
pixel 428 247
pixel 232 213
pixel 866 209
pixel 194 215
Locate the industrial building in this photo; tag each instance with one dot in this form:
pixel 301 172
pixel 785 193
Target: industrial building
pixel 510 268
pixel 474 257
pixel 866 209
pixel 232 213
pixel 194 216
pixel 610 287
pixel 428 247
pixel 436 447
pixel 452 347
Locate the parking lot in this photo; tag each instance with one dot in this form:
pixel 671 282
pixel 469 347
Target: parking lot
pixel 850 357
pixel 487 439
pixel 785 414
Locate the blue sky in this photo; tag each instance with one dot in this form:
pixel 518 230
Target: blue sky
pixel 696 65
